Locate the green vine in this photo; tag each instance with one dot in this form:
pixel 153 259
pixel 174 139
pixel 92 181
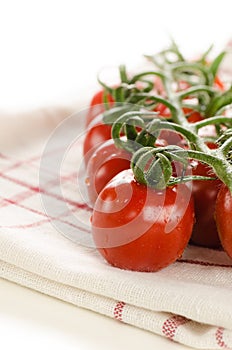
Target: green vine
pixel 137 118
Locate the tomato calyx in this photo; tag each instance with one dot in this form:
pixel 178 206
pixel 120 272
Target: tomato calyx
pixel 129 87
pixel 152 165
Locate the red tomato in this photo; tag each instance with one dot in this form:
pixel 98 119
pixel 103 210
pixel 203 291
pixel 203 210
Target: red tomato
pixel 96 134
pixel 219 84
pixel 138 228
pixel 97 105
pixel 159 89
pixel 163 111
pixel 158 86
pixel 194 116
pixel 172 137
pixel 207 131
pixel 223 217
pixel 183 85
pixel 106 162
pixel 205 193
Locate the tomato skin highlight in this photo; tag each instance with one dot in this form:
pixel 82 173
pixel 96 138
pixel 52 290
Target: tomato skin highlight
pixel 96 134
pixel 130 220
pixel 106 162
pixel 223 217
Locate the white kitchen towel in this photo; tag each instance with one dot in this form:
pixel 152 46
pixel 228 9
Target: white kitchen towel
pixel 41 202
pixel 45 240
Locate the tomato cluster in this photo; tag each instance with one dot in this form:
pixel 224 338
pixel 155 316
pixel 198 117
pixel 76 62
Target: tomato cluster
pixel 145 229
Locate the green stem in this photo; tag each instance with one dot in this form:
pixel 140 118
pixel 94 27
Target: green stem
pixel 134 118
pixel 158 98
pixel 144 74
pixel 215 158
pixel 194 90
pixel 190 136
pixel 213 120
pixel 221 167
pixel 201 78
pixel 178 115
pixel 218 102
pixel 226 147
pixel 123 74
pixel 196 68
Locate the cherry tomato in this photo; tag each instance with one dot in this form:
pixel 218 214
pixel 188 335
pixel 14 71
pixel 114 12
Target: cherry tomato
pixel 193 116
pixel 163 111
pixel 219 84
pixel 158 86
pixel 205 193
pixel 138 228
pixel 172 137
pixel 106 162
pixel 97 105
pixel 96 134
pixel 183 85
pixel 159 89
pixel 223 217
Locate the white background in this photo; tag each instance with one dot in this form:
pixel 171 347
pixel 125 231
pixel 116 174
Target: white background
pixel 50 53
pixel 52 50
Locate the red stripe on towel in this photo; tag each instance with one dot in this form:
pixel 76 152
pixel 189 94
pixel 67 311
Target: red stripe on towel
pixel 219 337
pixel 118 310
pixel 171 324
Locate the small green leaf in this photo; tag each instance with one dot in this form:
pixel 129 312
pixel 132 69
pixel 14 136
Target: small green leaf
pixel 205 54
pixel 216 63
pixel 218 102
pixel 123 73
